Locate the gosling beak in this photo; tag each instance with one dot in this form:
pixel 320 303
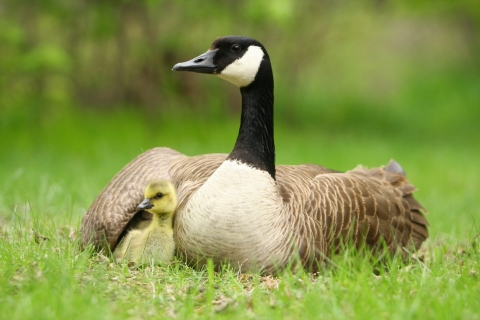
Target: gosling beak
pixel 145 205
pixel 201 64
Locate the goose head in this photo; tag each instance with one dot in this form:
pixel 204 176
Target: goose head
pixel 160 198
pixel 244 62
pixel 235 59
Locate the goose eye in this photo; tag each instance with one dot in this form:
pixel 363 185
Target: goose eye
pixel 159 195
pixel 236 48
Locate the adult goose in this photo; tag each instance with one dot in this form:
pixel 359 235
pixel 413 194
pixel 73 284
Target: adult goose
pixel 241 208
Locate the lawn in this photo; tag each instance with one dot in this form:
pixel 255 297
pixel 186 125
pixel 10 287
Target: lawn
pixel 86 86
pixel 51 170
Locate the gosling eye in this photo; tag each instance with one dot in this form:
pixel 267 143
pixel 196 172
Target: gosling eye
pixel 236 48
pixel 158 195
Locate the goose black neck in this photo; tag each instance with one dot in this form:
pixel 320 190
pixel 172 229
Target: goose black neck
pixel 255 144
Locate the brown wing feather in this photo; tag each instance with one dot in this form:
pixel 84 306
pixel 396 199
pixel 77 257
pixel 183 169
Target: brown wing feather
pixel 362 205
pixel 115 206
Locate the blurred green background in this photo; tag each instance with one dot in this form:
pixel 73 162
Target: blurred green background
pixel 85 86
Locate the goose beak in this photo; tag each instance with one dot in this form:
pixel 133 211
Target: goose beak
pixel 201 64
pixel 145 205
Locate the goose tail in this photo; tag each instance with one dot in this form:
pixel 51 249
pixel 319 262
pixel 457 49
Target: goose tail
pixel 397 177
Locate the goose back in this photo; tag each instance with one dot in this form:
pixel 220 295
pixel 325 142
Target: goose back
pixel 372 207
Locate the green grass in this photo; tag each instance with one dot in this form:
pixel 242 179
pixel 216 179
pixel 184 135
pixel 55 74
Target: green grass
pixel 356 82
pixel 51 170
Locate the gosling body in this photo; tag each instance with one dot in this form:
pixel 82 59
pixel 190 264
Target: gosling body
pixel 152 240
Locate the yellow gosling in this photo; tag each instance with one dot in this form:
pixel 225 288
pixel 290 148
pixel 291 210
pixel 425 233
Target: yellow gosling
pixel 152 240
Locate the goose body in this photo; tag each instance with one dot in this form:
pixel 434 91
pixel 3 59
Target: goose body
pixel 242 209
pixel 152 240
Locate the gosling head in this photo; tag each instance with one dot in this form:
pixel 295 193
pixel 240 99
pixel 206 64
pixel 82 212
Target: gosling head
pixel 160 197
pixel 235 59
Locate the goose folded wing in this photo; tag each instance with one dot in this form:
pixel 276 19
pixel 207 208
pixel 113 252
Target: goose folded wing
pixel 362 206
pixel 116 205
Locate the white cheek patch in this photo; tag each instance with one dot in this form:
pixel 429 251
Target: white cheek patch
pixel 242 72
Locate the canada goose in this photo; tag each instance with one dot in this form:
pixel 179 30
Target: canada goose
pixel 152 239
pixel 241 208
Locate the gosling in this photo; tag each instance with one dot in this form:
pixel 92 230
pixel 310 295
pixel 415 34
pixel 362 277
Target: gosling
pixel 154 240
